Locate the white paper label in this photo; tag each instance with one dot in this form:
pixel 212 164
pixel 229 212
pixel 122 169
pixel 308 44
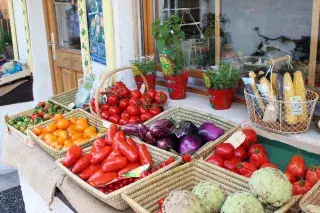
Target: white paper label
pixel 106 124
pixel 236 139
pixel 142 88
pixel 71 105
pixel 296 105
pixel 245 124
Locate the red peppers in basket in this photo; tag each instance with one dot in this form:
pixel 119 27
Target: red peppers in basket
pixel 73 154
pixel 101 154
pixel 81 164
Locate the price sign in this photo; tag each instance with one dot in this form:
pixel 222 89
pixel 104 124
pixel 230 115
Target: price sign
pixel 296 105
pixel 236 139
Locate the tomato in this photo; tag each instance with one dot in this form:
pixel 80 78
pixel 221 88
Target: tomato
pixel 231 164
pixel 161 201
pixel 225 150
pixel 313 175
pixel 105 115
pixel 241 153
pixel 270 165
pixel 103 180
pixel 133 110
pixel 133 120
pixel 113 129
pixel 134 101
pixel 73 154
pixel 246 169
pixel 123 92
pixel 123 104
pixel 145 100
pixel 100 155
pixel 160 98
pixel 151 93
pixel 144 155
pixel 296 166
pixel 98 144
pixel 114 119
pixel 256 148
pixel 259 158
pixel 143 109
pixel 128 168
pixel 186 158
pixel 155 110
pixel 114 110
pixel 216 160
pixel 128 151
pixel 301 187
pixel 119 84
pixel 105 107
pixel 113 99
pixel 290 177
pixel 170 160
pixel 123 121
pixel 85 174
pixel 114 164
pixel 125 114
pixel 145 116
pixel 136 93
pixel 92 102
pixel 251 138
pixel 81 164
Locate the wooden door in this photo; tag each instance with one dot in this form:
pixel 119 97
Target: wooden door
pixel 63 35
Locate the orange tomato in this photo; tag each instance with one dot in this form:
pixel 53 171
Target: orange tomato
pixel 58 117
pixel 51 127
pixel 79 141
pixel 82 120
pixel 58 147
pixel 51 139
pixel 37 130
pixel 77 136
pixel 68 143
pixel 54 145
pixel 90 132
pixel 73 119
pixel 42 136
pixel 63 124
pixel 63 134
pixel 47 135
pixel 44 130
pixel 57 132
pixel 61 141
pixel 80 127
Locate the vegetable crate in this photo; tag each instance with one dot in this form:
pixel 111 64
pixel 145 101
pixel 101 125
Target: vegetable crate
pixel 143 198
pixel 311 198
pixel 66 99
pixel 78 113
pixel 198 117
pixel 114 199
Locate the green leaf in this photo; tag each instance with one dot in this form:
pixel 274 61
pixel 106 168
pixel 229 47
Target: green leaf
pixel 164 30
pixel 160 44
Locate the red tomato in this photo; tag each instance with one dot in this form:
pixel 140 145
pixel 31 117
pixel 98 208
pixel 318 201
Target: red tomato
pixel 123 92
pixel 241 153
pixel 301 187
pixel 114 110
pixel 155 110
pixel 151 93
pixel 143 109
pixel 186 158
pixel 145 100
pixel 313 175
pixel 136 94
pixel 145 116
pixel 259 158
pixel 125 114
pixel 160 98
pixel 105 107
pixel 105 115
pixel 231 164
pixel 251 138
pixel 134 101
pixel 216 160
pixel 114 119
pixel 225 150
pixel 297 166
pixel 92 102
pixel 246 169
pixel 133 120
pixel 123 121
pixel 290 177
pixel 113 99
pixel 161 201
pixel 133 110
pixel 256 148
pixel 270 165
pixel 119 84
pixel 123 104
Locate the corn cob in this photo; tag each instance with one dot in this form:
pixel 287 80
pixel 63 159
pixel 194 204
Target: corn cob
pixel 266 88
pixel 288 92
pixel 300 90
pixel 274 83
pixel 252 75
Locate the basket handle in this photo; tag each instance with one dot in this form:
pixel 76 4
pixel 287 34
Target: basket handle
pixel 96 95
pixel 277 60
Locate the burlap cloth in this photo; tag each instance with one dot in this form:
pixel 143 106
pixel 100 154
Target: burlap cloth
pixel 41 172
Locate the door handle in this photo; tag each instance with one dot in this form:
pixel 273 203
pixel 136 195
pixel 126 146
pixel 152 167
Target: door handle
pixel 53 46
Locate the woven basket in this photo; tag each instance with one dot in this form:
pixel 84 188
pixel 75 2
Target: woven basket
pixel 198 117
pixel 78 113
pixel 143 197
pixel 65 99
pixel 311 198
pixel 114 199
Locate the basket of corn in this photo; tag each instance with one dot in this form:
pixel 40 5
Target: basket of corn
pixel 278 101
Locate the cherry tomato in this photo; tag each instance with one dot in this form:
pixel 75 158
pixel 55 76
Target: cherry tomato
pixel 73 154
pixel 105 115
pixel 241 153
pixel 134 101
pixel 301 187
pixel 136 93
pixel 151 93
pixel 216 160
pixel 246 169
pixel 161 201
pixel 256 148
pixel 133 110
pixel 231 164
pixel 113 129
pixel 251 138
pixel 119 84
pixel 123 92
pixel 92 102
pixel 113 100
pixel 186 158
pixel 270 165
pixel 160 98
pixel 133 120
pixel 170 160
pixel 155 110
pixel 114 119
pixel 145 116
pixel 125 114
pixel 123 121
pixel 105 107
pixel 259 158
pixel 290 177
pixel 313 175
pixel 123 104
pixel 145 100
pixel 114 110
pixel 297 166
pixel 225 150
pixel 143 109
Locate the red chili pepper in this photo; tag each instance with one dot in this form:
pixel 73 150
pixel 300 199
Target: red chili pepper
pixel 73 154
pixel 120 135
pixel 144 155
pixel 128 151
pixel 100 155
pixel 128 168
pixel 98 144
pixel 95 175
pixel 114 153
pixel 81 164
pixel 114 164
pixel 132 143
pixel 90 170
pixel 103 180
pixel 113 128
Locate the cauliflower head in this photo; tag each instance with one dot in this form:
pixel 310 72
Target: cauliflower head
pixel 271 186
pixel 211 195
pixel 242 202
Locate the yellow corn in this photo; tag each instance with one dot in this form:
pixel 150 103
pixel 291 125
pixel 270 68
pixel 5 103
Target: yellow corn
pixel 265 84
pixel 288 92
pixel 300 90
pixel 252 75
pixel 274 83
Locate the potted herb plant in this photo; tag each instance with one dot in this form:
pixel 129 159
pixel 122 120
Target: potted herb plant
pixel 146 66
pixel 169 35
pixel 221 83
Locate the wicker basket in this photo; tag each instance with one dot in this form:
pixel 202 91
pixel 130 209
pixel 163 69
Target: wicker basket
pixel 114 199
pixel 143 197
pixel 311 198
pixel 65 99
pixel 56 154
pixel 198 117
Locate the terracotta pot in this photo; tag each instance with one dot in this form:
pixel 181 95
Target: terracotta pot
pixel 221 99
pixel 177 86
pixel 151 79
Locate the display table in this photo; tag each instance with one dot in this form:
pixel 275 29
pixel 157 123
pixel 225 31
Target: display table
pixel 39 175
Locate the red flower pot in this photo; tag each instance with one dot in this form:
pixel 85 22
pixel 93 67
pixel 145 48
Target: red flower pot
pixel 221 99
pixel 177 86
pixel 151 79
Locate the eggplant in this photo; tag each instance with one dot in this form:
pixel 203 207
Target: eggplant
pixel 162 122
pixel 184 128
pixel 165 143
pixel 139 130
pixel 160 131
pixel 150 139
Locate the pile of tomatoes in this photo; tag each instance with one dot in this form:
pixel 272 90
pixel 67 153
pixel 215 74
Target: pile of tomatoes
pixel 120 105
pixel 109 159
